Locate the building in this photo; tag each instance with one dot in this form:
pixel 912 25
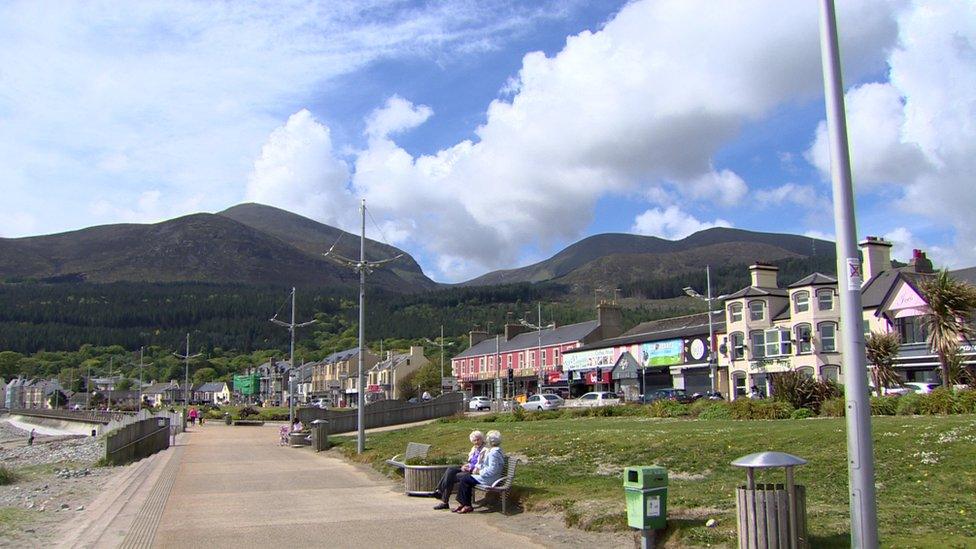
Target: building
pixel 532 360
pixel 301 381
pixel 272 381
pixel 335 377
pixel 382 381
pixel 162 394
pixel 214 392
pixel 670 352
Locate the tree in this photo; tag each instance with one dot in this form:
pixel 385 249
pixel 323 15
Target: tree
pixel 124 384
pixel 882 348
pixel 57 399
pixel 427 378
pixel 204 375
pixel 951 303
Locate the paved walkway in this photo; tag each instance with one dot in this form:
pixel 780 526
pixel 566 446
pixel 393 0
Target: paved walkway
pixel 235 487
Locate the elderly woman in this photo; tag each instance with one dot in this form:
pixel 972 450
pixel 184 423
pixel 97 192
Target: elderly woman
pixel 446 485
pixel 490 469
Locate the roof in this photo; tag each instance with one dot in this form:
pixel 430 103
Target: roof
pixel 756 291
pixel 657 330
pixel 966 275
pixel 340 356
pixel 530 340
pixel 815 279
pixel 157 388
pixel 391 363
pixel 876 290
pixel 211 387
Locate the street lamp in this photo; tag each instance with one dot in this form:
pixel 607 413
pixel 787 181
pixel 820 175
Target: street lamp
pixel 712 365
pixel 441 344
pixel 538 328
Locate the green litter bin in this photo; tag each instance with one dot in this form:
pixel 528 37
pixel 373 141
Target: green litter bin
pixel 646 489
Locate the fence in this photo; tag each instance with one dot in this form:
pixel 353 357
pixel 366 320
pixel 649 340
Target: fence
pixel 86 416
pixel 386 412
pixel 137 440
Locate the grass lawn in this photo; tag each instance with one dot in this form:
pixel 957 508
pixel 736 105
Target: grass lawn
pixel 925 471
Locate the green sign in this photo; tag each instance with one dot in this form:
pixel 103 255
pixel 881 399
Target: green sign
pixel 661 353
pixel 247 385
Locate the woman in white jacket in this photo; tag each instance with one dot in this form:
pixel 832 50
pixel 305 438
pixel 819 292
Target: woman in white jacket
pixel 487 472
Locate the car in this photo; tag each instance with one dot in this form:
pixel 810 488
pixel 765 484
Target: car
pixel 923 387
pixel 595 398
pixel 543 402
pixel 479 403
pixel 666 394
pixel 320 403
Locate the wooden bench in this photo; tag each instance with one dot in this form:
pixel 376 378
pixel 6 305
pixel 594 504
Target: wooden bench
pixel 502 485
pixel 414 450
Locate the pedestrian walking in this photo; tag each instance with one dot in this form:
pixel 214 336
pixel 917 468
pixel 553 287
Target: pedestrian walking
pixel 30 437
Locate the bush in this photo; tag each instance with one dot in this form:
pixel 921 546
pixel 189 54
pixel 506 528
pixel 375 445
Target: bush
pixel 518 413
pixel 667 408
pixel 967 401
pixel 802 413
pixel 246 412
pixel 7 476
pixel 909 405
pixel 802 391
pixel 710 409
pixel 436 460
pixel 939 401
pixel 744 408
pixel 543 415
pixel 884 405
pixel 834 407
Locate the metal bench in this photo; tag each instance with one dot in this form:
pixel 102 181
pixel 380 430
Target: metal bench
pixel 414 450
pixel 502 485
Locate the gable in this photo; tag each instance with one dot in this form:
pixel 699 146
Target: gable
pixel 905 301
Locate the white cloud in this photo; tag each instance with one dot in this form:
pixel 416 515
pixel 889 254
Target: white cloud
pixel 672 223
pixel 819 235
pixel 298 171
pixel 724 187
pixel 789 193
pixel 396 116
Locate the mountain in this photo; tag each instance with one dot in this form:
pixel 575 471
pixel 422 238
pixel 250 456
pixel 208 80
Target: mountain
pixel 608 259
pixel 203 247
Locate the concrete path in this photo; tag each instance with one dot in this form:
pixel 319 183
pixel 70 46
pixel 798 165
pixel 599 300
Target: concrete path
pixel 235 487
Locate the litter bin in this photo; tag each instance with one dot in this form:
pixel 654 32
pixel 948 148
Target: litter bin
pixel 320 435
pixel 646 489
pixel 771 515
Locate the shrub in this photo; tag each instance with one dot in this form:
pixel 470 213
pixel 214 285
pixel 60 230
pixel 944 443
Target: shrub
pixel 884 405
pixel 939 401
pixel 667 408
pixel 967 401
pixel 802 413
pixel 436 460
pixel 909 405
pixel 543 415
pixel 834 407
pixel 518 413
pixel 744 408
pixel 7 476
pixel 802 391
pixel 711 410
pixel 246 412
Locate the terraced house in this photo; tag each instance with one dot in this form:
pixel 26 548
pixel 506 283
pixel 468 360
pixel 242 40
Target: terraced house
pixel 335 377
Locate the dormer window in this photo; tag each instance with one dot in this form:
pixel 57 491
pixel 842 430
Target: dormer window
pixel 735 312
pixel 757 310
pixel 801 302
pixel 825 300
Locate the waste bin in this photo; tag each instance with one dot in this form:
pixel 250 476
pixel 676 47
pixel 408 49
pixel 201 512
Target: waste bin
pixel 646 489
pixel 771 515
pixel 320 435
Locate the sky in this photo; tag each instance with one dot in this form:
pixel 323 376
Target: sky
pixel 489 134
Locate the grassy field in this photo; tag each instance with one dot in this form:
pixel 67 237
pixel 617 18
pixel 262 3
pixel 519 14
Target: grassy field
pixel 925 471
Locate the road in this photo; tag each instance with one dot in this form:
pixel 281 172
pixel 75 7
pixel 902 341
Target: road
pixel 235 487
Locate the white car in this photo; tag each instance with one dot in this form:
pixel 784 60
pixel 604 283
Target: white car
pixel 543 402
pixel 923 387
pixel 479 403
pixel 596 398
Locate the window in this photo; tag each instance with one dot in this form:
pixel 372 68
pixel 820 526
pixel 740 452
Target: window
pixel 777 342
pixel 807 372
pixel 803 337
pixel 758 342
pixel 740 383
pixel 866 328
pixel 828 337
pixel 737 341
pixel 911 329
pixel 757 310
pixel 830 372
pixel 801 302
pixel 481 365
pixel 543 361
pixel 509 361
pixel 735 312
pixel 825 300
pixel 521 360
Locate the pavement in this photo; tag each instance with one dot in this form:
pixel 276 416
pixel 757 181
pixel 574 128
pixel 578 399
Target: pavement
pixel 236 487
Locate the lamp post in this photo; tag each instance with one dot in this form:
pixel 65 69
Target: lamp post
pixel 538 328
pixel 186 372
pixel 291 357
pixel 441 344
pixel 712 365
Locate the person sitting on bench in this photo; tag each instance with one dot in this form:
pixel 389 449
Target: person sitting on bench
pixel 490 470
pixel 446 485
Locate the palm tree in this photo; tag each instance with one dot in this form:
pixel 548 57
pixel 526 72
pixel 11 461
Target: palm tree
pixel 951 303
pixel 882 348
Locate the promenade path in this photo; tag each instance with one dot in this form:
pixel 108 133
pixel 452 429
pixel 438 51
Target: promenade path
pixel 236 487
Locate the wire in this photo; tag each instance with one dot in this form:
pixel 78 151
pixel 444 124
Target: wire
pixel 283 303
pixel 378 228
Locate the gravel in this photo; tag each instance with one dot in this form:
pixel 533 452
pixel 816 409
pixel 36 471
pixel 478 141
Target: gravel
pixel 74 449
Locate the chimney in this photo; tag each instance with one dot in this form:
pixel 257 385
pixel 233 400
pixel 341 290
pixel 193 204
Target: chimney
pixel 475 337
pixel 920 263
pixel 512 330
pixel 610 319
pixel 763 275
pixel 876 253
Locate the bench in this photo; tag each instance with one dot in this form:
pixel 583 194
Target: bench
pixel 502 485
pixel 414 450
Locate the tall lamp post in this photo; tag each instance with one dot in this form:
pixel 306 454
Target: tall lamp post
pixel 186 372
pixel 441 344
pixel 538 328
pixel 291 357
pixel 712 364
pixel 860 447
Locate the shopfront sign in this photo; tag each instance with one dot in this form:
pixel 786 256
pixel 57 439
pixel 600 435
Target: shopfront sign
pixel 584 360
pixel 555 377
pixel 591 378
pixel 374 389
pixel 661 353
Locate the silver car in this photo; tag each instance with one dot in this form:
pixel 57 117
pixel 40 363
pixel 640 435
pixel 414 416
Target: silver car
pixel 543 402
pixel 479 403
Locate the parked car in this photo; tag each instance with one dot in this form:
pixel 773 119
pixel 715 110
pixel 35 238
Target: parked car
pixel 667 394
pixel 543 402
pixel 595 398
pixel 479 403
pixel 923 387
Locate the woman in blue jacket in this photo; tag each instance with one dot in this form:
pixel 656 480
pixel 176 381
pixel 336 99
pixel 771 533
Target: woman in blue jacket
pixel 489 470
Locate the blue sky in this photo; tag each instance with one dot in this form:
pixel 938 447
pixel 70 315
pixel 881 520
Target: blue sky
pixel 488 134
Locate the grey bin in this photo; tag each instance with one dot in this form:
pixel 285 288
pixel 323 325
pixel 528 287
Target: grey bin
pixel 771 515
pixel 320 435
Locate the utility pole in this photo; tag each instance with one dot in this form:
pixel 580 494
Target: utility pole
pixel 139 402
pixel 186 374
pixel 441 344
pixel 111 386
pixel 860 447
pixel 362 266
pixel 291 374
pixel 538 328
pixel 712 363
